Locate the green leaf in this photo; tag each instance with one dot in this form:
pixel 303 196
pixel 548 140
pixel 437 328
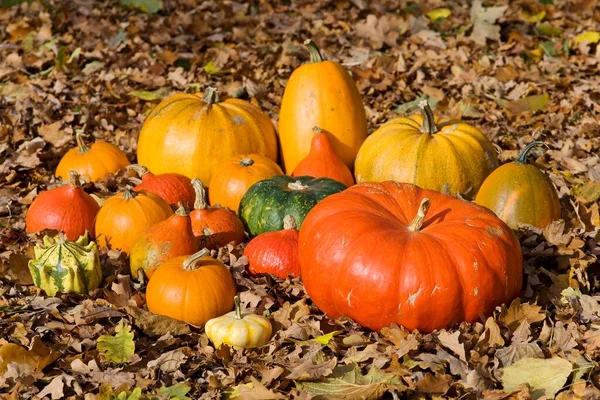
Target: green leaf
pixel 150 95
pixel 548 48
pixel 119 347
pixel 92 67
pixel 548 30
pixel 349 382
pixel 413 106
pixel 74 55
pixel 10 3
pixel 529 103
pixel 177 391
pixel 547 1
pixel 147 6
pixel 545 376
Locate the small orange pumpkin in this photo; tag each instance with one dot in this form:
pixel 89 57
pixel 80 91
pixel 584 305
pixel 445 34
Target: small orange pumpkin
pixel 170 238
pixel 323 161
pixel 215 226
pixel 232 178
pixel 91 162
pixel 192 289
pixel 124 217
pixel 173 188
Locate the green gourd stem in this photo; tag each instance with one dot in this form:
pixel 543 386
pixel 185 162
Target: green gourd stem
pixel 210 96
pixel 246 162
pixel 190 263
pixel 297 186
pixel 83 148
pixel 428 118
pixel 74 179
pixel 316 130
pixel 417 222
pixel 522 158
pixel 181 210
pixel 129 193
pixel 238 307
pixel 289 222
pixel 315 53
pixel 200 203
pixel 138 169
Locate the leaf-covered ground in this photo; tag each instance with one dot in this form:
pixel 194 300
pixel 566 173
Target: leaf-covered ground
pixel 524 71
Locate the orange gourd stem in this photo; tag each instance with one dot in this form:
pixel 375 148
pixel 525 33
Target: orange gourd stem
pixel 238 307
pixel 200 203
pixel 74 179
pixel 417 222
pixel 129 193
pixel 289 222
pixel 181 210
pixel 246 162
pixel 138 169
pixel 315 53
pixel 210 96
pixel 191 263
pixel 429 125
pixel 522 158
pixel 83 148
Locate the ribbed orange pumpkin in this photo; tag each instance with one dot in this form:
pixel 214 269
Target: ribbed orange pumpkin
pixel 232 178
pixel 167 239
pixel 124 217
pixel 91 162
pixel 191 134
pixel 275 253
pixel 173 188
pixel 379 254
pixel 448 156
pixel 192 289
pixel 214 226
pixel 323 162
pixel 519 193
pixel 321 93
pixel 67 209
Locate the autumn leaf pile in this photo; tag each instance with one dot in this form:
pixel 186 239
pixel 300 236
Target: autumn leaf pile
pixel 522 71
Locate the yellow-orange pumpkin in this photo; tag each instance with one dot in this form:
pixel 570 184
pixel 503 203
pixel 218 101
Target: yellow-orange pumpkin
pixel 321 93
pixel 191 134
pixel 451 157
pixel 232 178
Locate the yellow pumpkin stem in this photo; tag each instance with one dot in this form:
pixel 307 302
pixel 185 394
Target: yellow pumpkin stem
pixel 238 307
pixel 210 96
pixel 200 203
pixel 428 118
pixel 83 148
pixel 289 222
pixel 190 263
pixel 129 193
pixel 315 53
pixel 246 162
pixel 138 169
pixel 74 179
pixel 417 222
pixel 522 158
pixel 181 210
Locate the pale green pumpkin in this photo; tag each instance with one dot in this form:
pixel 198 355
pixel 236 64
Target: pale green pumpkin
pixel 64 266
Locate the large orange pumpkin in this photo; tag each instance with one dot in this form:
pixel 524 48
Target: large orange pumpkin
pixel 124 217
pixel 191 134
pixel 519 193
pixel 321 93
pixel 232 178
pixel 448 156
pixel 377 254
pixel 91 162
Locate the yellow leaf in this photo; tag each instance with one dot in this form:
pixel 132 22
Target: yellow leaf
pixel 589 36
pixel 533 18
pixel 439 13
pixel 211 68
pixel 37 358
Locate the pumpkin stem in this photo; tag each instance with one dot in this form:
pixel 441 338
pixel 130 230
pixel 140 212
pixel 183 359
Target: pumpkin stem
pixel 238 307
pixel 297 186
pixel 129 193
pixel 246 162
pixel 181 210
pixel 522 158
pixel 289 222
pixel 210 96
pixel 138 169
pixel 190 263
pixel 417 222
pixel 428 118
pixel 74 179
pixel 83 148
pixel 315 54
pixel 316 130
pixel 200 203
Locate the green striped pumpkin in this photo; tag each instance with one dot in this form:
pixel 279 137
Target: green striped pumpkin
pixel 63 266
pixel 266 203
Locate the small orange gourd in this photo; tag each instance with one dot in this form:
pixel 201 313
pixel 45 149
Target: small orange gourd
pixel 215 226
pixel 172 187
pixel 323 161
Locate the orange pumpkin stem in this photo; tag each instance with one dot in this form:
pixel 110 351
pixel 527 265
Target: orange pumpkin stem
pixel 210 96
pixel 315 53
pixel 246 162
pixel 428 118
pixel 522 158
pixel 83 148
pixel 74 179
pixel 238 307
pixel 181 210
pixel 129 193
pixel 417 222
pixel 190 263
pixel 289 222
pixel 200 203
pixel 138 169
